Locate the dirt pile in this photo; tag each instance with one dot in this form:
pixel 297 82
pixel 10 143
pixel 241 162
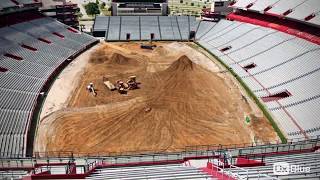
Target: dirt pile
pixel 182 64
pixel 99 57
pixel 119 59
pixel 160 50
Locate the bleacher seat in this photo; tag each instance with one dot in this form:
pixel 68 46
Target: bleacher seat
pixel 282 62
pixel 29 62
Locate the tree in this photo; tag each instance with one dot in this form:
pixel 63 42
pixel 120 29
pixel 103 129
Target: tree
pixel 102 5
pixel 92 8
pixel 181 1
pixel 192 4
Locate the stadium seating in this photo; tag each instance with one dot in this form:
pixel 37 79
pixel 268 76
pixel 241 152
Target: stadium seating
pixel 30 52
pixel 130 24
pixel 170 171
pixel 170 28
pixel 273 53
pixel 302 10
pixel 309 160
pixel 113 33
pixel 7 4
pixel 149 24
pixel 101 25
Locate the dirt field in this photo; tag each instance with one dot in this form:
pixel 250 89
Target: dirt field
pixel 184 99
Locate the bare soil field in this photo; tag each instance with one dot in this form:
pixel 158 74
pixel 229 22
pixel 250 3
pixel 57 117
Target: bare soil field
pixel 184 99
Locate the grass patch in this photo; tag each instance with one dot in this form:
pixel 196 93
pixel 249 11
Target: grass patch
pixel 252 95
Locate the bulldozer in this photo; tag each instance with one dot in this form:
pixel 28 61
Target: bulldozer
pixel 132 83
pixel 122 87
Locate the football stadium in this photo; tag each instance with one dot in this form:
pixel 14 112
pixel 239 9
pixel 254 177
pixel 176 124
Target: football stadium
pixel 146 93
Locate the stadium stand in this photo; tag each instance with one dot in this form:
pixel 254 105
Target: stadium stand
pixel 130 25
pixel 278 59
pixel 101 25
pixel 169 28
pixel 200 162
pixel 173 171
pixel 272 53
pixel 113 33
pixel 304 160
pixel 149 24
pixel 7 4
pixel 299 10
pixel 30 53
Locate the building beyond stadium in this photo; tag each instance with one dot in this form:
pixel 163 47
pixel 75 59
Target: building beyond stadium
pixel 141 7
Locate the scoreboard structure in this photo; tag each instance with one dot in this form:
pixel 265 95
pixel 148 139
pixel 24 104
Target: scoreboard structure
pixel 140 8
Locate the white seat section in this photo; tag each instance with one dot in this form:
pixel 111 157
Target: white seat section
pixel 305 9
pixel 101 23
pixel 224 31
pixel 311 160
pixel 149 172
pixel 316 19
pixel 233 35
pixel 175 28
pixel 279 62
pixel 277 56
pixel 210 29
pixel 243 3
pixel 130 24
pixel 260 46
pixel 149 24
pixel 184 26
pixel 28 63
pixel 166 28
pixel 7 4
pixel 247 39
pixel 301 66
pixel 212 49
pixel 260 5
pixel 204 28
pixel 307 115
pixel 284 5
pixel 113 33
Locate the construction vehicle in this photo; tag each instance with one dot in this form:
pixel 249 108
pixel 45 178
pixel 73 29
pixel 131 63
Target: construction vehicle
pixel 91 89
pixel 132 83
pixel 122 87
pixel 108 84
pixel 145 46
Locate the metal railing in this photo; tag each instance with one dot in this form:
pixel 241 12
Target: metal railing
pixel 152 157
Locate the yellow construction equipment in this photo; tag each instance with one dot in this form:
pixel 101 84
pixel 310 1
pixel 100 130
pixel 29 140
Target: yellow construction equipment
pixel 108 84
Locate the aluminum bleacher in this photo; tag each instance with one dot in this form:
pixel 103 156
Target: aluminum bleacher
pixel 169 28
pixel 166 28
pixel 101 25
pixel 301 10
pixel 169 171
pixel 113 33
pixel 280 62
pixel 309 160
pixel 7 4
pixel 149 24
pixel 30 53
pixel 130 24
